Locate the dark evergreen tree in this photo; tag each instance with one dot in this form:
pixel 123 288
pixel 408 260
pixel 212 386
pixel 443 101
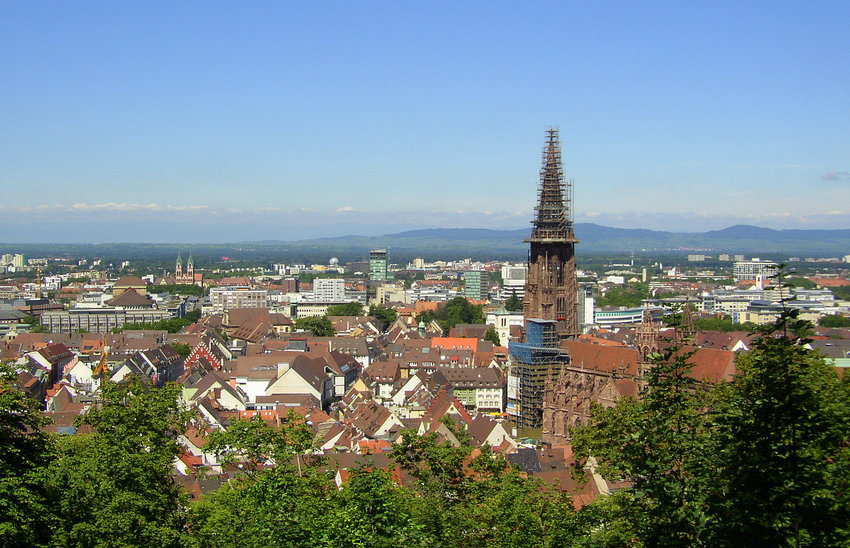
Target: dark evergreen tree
pixel 514 303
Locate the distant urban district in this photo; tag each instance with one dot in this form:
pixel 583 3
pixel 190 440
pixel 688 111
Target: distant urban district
pixel 688 399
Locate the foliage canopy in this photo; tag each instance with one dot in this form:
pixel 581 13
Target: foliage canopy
pixel 319 326
pixel 347 309
pixel 762 460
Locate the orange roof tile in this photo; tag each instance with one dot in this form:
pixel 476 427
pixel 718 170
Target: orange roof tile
pixel 455 343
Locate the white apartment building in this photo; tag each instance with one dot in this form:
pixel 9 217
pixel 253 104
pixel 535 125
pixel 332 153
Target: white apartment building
pixel 13 259
pixel 329 289
pixel 314 309
pixel 223 299
pixel 513 280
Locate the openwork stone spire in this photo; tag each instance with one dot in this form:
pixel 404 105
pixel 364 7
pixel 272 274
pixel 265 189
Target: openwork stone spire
pixel 553 219
pixel 551 288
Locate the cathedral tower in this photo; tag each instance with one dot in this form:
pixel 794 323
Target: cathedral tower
pixel 551 291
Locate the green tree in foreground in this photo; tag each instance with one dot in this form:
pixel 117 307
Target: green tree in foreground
pixel 287 505
pixel 783 446
pixel 659 443
pixel 114 486
pixel 25 507
pixel 480 500
pixel 461 496
pixel 255 443
pixel 275 507
pixel 376 513
pixel 761 461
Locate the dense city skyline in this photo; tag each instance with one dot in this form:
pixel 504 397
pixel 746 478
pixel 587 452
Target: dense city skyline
pixel 222 122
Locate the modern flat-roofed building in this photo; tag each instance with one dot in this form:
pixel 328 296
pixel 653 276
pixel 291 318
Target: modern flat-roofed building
pixel 513 280
pixel 98 320
pixel 614 317
pixel 378 265
pixel 378 273
pixel 477 285
pixel 225 298
pixel 755 269
pixel 329 289
pixel 314 309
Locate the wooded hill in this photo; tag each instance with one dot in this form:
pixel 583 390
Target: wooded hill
pixel 478 243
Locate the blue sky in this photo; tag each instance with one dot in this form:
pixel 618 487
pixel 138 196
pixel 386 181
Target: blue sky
pixel 216 121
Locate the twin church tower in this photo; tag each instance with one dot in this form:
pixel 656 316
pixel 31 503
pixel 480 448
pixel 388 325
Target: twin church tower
pixel 187 276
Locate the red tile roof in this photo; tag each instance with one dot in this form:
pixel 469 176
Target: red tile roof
pixel 602 358
pixel 455 342
pixel 830 282
pixel 713 365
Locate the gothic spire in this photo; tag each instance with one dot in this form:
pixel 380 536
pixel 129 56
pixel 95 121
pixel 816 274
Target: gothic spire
pixel 553 219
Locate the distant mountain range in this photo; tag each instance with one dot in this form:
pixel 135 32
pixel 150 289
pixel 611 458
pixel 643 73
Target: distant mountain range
pixel 595 239
pixel 478 243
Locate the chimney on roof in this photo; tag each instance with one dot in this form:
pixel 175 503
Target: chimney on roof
pixel 282 368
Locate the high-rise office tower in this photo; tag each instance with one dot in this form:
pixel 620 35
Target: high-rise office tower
pixel 378 265
pixel 378 273
pixel 477 285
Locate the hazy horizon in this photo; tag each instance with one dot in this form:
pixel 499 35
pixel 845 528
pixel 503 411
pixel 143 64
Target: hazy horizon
pixel 134 230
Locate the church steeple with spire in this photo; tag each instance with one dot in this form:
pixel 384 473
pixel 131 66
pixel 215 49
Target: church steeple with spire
pixel 551 290
pixel 187 276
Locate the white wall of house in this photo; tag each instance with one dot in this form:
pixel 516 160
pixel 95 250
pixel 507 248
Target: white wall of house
pixel 80 373
pixel 498 435
pixel 252 387
pixel 489 398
